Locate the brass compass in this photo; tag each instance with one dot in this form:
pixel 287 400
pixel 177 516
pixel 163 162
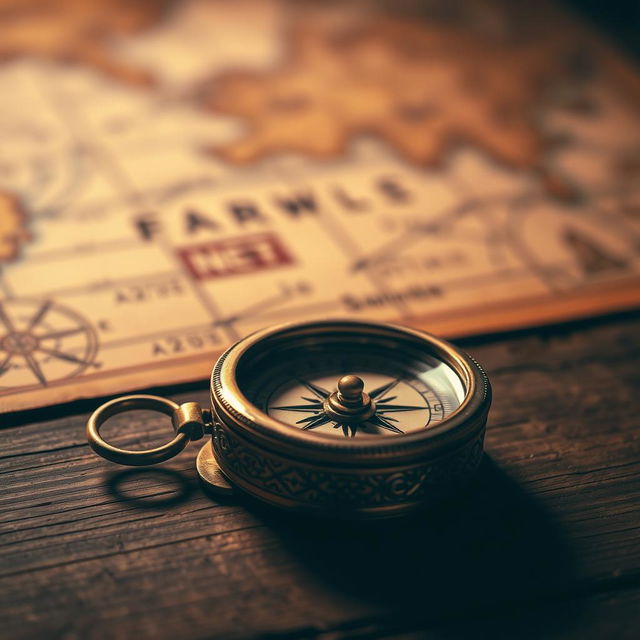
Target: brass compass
pixel 342 418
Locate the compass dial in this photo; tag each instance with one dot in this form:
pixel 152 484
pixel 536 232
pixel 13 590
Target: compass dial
pixel 357 392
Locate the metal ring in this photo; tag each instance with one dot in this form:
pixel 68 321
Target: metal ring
pixel 124 456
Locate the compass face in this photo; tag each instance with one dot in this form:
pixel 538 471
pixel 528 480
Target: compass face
pixel 400 393
pixel 347 418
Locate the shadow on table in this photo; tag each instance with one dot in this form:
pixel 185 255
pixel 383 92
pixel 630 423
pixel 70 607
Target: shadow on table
pixel 467 566
pixel 488 551
pixel 150 487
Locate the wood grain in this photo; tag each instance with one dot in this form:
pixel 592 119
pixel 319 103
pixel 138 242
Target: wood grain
pixel 543 544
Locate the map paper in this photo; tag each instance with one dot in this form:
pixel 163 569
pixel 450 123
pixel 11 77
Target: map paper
pixel 174 176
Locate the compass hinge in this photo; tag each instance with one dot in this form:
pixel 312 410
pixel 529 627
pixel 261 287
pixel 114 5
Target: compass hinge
pixel 189 418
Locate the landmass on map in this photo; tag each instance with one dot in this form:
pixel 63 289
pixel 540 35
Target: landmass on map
pixel 77 31
pixel 421 86
pixel 13 227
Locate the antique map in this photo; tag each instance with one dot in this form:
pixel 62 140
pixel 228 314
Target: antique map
pixel 174 176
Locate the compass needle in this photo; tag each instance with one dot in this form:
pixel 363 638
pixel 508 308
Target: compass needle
pixel 378 393
pixel 388 418
pixel 320 420
pixel 394 408
pixel 310 418
pixel 381 422
pixel 318 391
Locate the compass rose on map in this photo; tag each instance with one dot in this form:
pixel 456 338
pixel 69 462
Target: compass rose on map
pixel 42 341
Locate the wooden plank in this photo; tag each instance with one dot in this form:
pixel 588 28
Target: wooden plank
pixel 613 614
pixel 90 550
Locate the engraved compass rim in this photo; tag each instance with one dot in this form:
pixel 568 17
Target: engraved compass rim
pixel 238 412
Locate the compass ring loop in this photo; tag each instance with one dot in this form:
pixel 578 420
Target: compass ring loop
pixel 138 457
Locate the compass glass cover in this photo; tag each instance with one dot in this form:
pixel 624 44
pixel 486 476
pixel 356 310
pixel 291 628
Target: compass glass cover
pixel 388 391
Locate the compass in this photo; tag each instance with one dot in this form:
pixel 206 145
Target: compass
pixel 341 418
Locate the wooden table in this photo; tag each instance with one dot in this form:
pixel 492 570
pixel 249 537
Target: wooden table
pixel 544 544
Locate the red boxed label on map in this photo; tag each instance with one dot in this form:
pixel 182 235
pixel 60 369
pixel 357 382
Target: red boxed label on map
pixel 234 256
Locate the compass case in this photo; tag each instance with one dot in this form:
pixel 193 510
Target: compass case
pixel 344 477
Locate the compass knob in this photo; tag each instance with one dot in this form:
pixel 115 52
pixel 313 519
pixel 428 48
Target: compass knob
pixel 350 389
pixel 349 403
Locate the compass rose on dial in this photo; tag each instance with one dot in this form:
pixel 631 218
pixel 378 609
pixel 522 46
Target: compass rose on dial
pixel 350 408
pixel 42 341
